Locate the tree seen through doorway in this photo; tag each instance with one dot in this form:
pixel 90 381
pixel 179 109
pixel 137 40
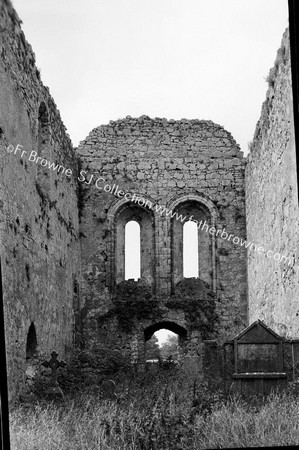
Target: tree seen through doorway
pixel 163 346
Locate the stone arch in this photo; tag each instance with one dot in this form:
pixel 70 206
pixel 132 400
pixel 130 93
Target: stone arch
pixel 198 198
pixel 119 215
pixel 149 203
pixel 179 330
pixel 171 326
pixel 203 211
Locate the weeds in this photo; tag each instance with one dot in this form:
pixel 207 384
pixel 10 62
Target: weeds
pixel 155 412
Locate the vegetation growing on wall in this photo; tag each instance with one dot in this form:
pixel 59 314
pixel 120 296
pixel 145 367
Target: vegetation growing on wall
pixel 197 300
pixel 134 301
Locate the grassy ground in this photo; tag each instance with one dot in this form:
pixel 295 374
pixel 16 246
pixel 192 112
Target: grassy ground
pixel 155 413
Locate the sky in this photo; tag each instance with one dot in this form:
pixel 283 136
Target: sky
pixel 196 59
pixel 106 59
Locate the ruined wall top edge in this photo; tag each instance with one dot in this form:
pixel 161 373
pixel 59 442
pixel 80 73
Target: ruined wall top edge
pixel 279 74
pixel 145 126
pixel 19 63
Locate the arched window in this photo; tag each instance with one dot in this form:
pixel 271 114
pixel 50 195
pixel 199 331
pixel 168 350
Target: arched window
pixel 133 245
pixel 132 250
pixel 31 343
pixel 192 247
pixel 190 250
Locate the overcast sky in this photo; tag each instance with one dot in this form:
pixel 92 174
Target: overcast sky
pixel 106 59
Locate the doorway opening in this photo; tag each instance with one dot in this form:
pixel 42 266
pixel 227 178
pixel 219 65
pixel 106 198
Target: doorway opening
pixel 164 343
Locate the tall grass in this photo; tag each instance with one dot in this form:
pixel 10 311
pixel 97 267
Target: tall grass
pixel 236 424
pixel 157 414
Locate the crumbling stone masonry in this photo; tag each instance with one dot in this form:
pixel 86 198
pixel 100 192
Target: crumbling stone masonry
pixel 159 173
pixel 130 170
pixel 39 243
pixel 272 206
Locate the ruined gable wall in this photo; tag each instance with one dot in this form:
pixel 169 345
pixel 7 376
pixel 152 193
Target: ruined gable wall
pixel 272 205
pixel 164 162
pixel 38 208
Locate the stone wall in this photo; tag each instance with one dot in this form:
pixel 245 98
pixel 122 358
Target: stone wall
pixel 272 206
pixel 159 173
pixel 38 210
pixel 132 169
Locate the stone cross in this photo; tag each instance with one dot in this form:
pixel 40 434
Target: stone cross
pixel 54 364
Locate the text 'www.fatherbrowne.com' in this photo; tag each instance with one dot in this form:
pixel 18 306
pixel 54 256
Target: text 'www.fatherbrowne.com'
pixel 99 181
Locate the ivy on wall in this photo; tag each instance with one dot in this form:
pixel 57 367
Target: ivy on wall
pixel 197 300
pixel 134 302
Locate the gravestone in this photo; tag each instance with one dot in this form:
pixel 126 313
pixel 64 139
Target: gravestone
pixel 54 364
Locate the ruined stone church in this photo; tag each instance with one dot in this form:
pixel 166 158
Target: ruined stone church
pixel 64 214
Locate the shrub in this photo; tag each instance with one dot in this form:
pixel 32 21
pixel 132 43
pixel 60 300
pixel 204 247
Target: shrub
pixel 90 367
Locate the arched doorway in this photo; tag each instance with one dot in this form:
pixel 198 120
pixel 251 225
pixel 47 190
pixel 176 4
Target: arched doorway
pixel 170 349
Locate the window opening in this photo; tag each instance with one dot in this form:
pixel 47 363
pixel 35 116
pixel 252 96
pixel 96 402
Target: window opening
pixel 190 250
pixel 31 344
pixel 132 250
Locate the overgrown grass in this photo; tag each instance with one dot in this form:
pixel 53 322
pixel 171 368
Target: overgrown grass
pixel 236 424
pixel 155 413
